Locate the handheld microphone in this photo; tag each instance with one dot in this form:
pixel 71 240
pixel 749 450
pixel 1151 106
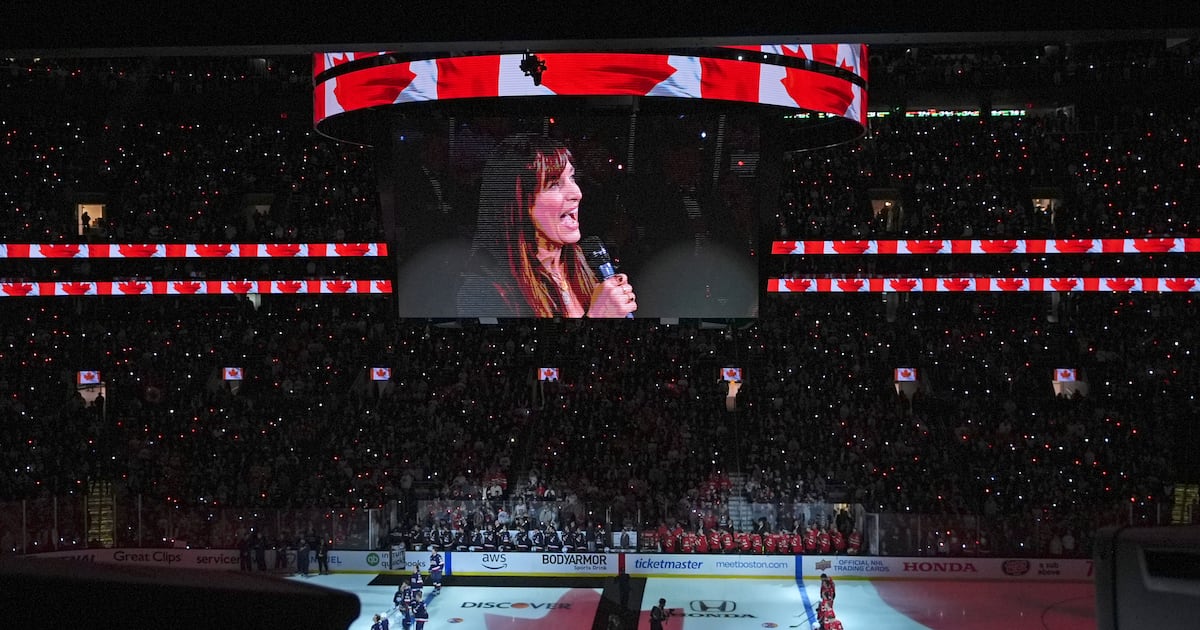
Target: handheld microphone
pixel 598 259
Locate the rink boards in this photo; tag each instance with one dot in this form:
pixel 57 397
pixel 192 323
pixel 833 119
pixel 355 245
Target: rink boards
pixel 741 604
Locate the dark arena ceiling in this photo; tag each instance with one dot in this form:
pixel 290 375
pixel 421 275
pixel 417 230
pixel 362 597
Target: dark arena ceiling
pixel 58 27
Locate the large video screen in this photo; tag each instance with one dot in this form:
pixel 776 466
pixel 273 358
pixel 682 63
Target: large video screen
pixel 597 213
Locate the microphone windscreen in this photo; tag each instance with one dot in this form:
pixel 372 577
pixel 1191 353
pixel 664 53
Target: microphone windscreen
pixel 596 255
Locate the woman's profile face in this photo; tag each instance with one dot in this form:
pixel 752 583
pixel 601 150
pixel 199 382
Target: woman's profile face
pixel 555 211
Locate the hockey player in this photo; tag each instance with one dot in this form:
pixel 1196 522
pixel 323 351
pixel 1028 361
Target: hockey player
pixel 728 544
pixel 504 539
pixel 810 539
pixel 420 615
pixel 756 542
pixel 854 543
pixel 402 601
pixel 743 541
pixel 523 542
pixel 687 543
pixel 435 570
pixel 579 540
pixel 796 540
pixel 825 613
pixel 416 584
pixel 658 615
pixel 828 588
pixel 553 542
pixel 379 622
pixel 491 540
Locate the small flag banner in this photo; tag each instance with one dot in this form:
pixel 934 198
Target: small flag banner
pixel 993 247
pixel 980 285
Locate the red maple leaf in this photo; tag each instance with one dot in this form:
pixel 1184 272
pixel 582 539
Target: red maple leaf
pixel 998 247
pixel 604 73
pixel 131 287
pixel 214 250
pixel 903 284
pixel 851 247
pixel 783 247
pixel 338 286
pixel 76 288
pixel 16 288
pixel 88 377
pixel 1077 246
pixel 1180 284
pixel 818 91
pixel 1153 245
pixel 956 284
pixel 371 87
pixel 576 608
pixel 239 287
pixel 797 285
pixel 1063 284
pixel 352 249
pixel 1010 284
pixel 16 250
pixel 1120 284
pixel 384 286
pixel 282 250
pixel 924 247
pixel 59 251
pixel 1064 374
pixel 850 285
pixel 187 288
pixel 906 373
pixel 381 373
pixel 290 286
pixel 137 251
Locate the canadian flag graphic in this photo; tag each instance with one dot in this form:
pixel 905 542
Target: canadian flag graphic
pixel 548 374
pixel 88 377
pixel 732 374
pixel 1064 375
pixel 381 374
pixel 232 373
pixel 906 375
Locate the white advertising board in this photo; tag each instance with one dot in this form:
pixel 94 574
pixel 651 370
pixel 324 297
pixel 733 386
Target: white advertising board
pixel 709 565
pixel 531 563
pixel 938 568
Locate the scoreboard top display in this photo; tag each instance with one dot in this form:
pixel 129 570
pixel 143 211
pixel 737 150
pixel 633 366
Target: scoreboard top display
pixel 827 79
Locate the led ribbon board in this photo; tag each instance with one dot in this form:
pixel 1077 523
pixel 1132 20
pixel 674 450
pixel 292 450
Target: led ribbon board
pixel 19 288
pixel 993 247
pixel 192 250
pixel 827 79
pixel 982 285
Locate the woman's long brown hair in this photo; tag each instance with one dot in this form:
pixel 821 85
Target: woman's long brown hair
pixel 535 163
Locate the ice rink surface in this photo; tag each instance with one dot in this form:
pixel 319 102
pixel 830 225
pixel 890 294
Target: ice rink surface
pixel 711 604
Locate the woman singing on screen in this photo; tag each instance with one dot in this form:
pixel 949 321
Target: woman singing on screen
pixel 526 260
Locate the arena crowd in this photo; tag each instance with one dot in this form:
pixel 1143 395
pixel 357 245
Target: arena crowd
pixel 636 445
